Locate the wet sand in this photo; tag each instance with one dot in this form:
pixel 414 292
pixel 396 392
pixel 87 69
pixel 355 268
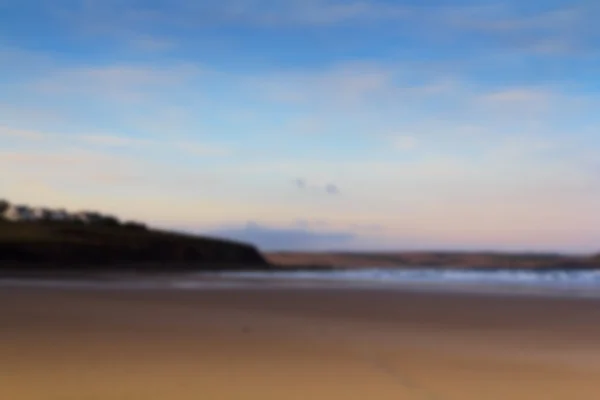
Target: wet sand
pixel 295 343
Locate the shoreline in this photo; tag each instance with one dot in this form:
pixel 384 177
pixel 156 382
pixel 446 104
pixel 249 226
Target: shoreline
pixel 257 280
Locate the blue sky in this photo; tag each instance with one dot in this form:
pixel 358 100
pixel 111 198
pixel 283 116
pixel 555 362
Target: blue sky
pixel 311 124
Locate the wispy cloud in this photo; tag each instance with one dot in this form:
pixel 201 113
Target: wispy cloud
pixel 192 147
pixel 203 149
pixel 98 143
pixel 553 46
pixel 8 132
pixel 116 82
pixel 518 95
pixel 349 83
pixel 18 114
pixel 532 102
pixel 544 30
pixel 150 43
pixel 68 161
pixel 506 18
pixel 506 23
pixel 111 18
pixel 405 143
pixel 116 141
pixel 319 12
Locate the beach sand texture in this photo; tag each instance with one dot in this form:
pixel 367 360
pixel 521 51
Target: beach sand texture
pixel 295 343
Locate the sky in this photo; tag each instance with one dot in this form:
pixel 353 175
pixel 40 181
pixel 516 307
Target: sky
pixel 311 124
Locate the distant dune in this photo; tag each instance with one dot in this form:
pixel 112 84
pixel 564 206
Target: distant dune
pixel 430 259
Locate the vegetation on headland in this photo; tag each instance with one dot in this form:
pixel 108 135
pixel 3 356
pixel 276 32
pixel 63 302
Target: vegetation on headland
pixel 44 238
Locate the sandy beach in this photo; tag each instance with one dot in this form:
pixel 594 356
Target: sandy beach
pixel 295 343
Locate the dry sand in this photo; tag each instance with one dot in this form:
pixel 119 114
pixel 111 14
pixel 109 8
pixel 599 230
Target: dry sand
pixel 58 344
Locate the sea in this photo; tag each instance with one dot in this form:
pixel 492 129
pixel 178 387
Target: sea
pixel 578 283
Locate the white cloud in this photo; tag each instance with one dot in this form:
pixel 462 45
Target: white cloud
pixel 324 12
pixel 116 82
pixel 93 145
pixel 120 19
pixel 116 141
pixel 545 31
pixel 18 60
pixel 306 126
pixel 69 161
pixel 523 146
pixel 19 114
pixel 203 149
pixel 518 95
pixel 349 84
pixel 133 75
pixel 519 102
pixel 25 134
pixel 504 18
pixel 29 136
pixel 151 43
pixel 405 143
pixel 553 46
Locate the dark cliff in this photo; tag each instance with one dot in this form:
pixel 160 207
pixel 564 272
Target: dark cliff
pixel 50 244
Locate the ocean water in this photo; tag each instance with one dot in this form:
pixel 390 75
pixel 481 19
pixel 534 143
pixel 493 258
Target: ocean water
pixel 557 282
pixel 561 282
pixel 548 278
